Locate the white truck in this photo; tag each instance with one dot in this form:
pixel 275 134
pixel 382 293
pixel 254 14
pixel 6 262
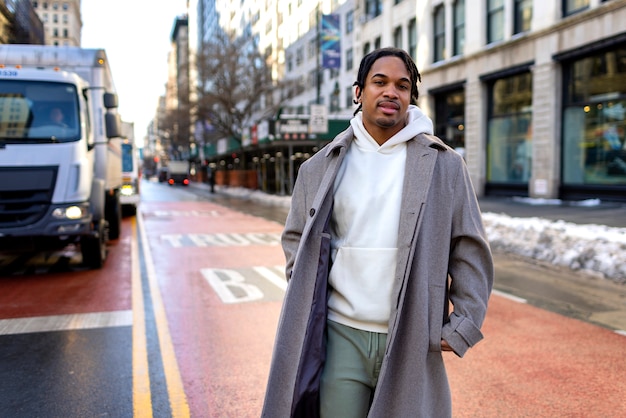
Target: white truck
pixel 60 151
pixel 178 172
pixel 129 194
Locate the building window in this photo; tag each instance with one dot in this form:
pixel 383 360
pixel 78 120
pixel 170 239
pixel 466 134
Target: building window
pixel 349 59
pixel 450 118
pixel 509 148
pixel 66 6
pixel 349 98
pixel 373 8
pixel 377 42
pixel 459 27
pixel 439 33
pixel 366 48
pixel 413 38
pixel 299 56
pixel 55 18
pixel 495 20
pixel 523 16
pixel 594 120
pixel 312 79
pixel 312 50
pixel 349 21
pixel 571 7
pixel 397 37
pixel 65 34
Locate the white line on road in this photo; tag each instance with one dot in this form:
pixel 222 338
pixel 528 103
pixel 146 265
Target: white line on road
pixel 272 276
pixel 66 322
pixel 508 296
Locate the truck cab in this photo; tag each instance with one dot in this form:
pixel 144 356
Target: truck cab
pixel 60 164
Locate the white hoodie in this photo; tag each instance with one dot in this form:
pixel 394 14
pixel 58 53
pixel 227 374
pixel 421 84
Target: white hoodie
pixel 364 227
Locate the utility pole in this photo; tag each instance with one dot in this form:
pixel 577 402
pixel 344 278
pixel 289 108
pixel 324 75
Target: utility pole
pixel 317 68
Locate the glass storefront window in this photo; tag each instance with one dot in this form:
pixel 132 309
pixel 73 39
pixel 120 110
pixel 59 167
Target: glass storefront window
pixel 594 127
pixel 509 158
pixel 450 119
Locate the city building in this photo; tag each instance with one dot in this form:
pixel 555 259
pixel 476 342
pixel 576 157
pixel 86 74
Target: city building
pixel 62 21
pixel 531 93
pixel 19 23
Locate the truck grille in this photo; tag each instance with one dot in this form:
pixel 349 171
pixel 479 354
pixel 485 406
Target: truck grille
pixel 25 195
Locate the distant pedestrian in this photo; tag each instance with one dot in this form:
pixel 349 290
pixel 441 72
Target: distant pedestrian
pixel 384 231
pixel 211 173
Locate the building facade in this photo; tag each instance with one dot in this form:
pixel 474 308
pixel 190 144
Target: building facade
pixel 532 93
pixel 19 23
pixel 61 19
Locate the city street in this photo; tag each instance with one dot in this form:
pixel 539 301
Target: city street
pixel 180 322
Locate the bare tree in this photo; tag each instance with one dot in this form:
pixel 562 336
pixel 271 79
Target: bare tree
pixel 235 86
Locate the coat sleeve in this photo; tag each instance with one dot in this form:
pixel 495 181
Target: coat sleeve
pixel 296 220
pixel 470 268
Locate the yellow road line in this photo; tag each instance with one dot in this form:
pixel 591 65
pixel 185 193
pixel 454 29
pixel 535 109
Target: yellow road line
pixel 142 397
pixel 175 389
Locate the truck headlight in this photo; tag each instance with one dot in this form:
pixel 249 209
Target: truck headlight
pixel 127 190
pixel 71 212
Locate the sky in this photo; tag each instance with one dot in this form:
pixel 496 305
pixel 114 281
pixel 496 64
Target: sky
pixel 136 37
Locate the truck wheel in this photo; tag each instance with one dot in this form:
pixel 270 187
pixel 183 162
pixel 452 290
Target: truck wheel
pixel 94 248
pixel 114 215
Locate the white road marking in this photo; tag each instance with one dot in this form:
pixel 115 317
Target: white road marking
pixel 509 296
pixel 230 286
pixel 221 240
pixel 66 322
pixel 275 275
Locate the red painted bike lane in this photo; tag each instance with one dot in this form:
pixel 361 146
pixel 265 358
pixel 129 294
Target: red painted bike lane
pixel 212 264
pixel 535 363
pixel 531 363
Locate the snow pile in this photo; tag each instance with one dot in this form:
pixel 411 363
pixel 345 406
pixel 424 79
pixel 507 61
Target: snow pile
pixel 592 248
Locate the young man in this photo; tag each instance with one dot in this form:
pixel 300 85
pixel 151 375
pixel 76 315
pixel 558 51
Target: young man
pixel 383 232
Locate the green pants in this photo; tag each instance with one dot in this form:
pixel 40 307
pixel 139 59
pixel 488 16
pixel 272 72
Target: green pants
pixel 353 360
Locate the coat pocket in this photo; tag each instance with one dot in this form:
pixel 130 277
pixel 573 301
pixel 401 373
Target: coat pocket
pixel 437 315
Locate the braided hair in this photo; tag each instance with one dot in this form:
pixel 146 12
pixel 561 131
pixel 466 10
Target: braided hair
pixel 368 61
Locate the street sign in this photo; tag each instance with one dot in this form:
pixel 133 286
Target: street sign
pixel 318 123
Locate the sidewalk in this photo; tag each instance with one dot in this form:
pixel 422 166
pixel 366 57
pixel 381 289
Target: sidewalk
pixel 611 214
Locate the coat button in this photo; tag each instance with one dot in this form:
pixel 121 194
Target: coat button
pixel 312 212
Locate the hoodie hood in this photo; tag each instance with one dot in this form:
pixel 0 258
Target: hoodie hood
pixel 417 123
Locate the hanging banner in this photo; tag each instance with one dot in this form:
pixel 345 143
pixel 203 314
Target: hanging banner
pixel 330 41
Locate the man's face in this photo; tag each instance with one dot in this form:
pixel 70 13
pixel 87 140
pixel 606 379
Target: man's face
pixel 56 115
pixel 385 98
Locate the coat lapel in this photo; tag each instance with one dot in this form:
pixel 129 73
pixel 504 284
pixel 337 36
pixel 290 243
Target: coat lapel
pixel 420 164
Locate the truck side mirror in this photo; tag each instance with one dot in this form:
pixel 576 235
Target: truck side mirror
pixel 110 100
pixel 113 125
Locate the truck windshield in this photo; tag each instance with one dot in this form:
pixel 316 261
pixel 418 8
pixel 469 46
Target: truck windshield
pixel 36 111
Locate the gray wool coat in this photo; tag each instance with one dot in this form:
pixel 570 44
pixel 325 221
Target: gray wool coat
pixel 443 257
